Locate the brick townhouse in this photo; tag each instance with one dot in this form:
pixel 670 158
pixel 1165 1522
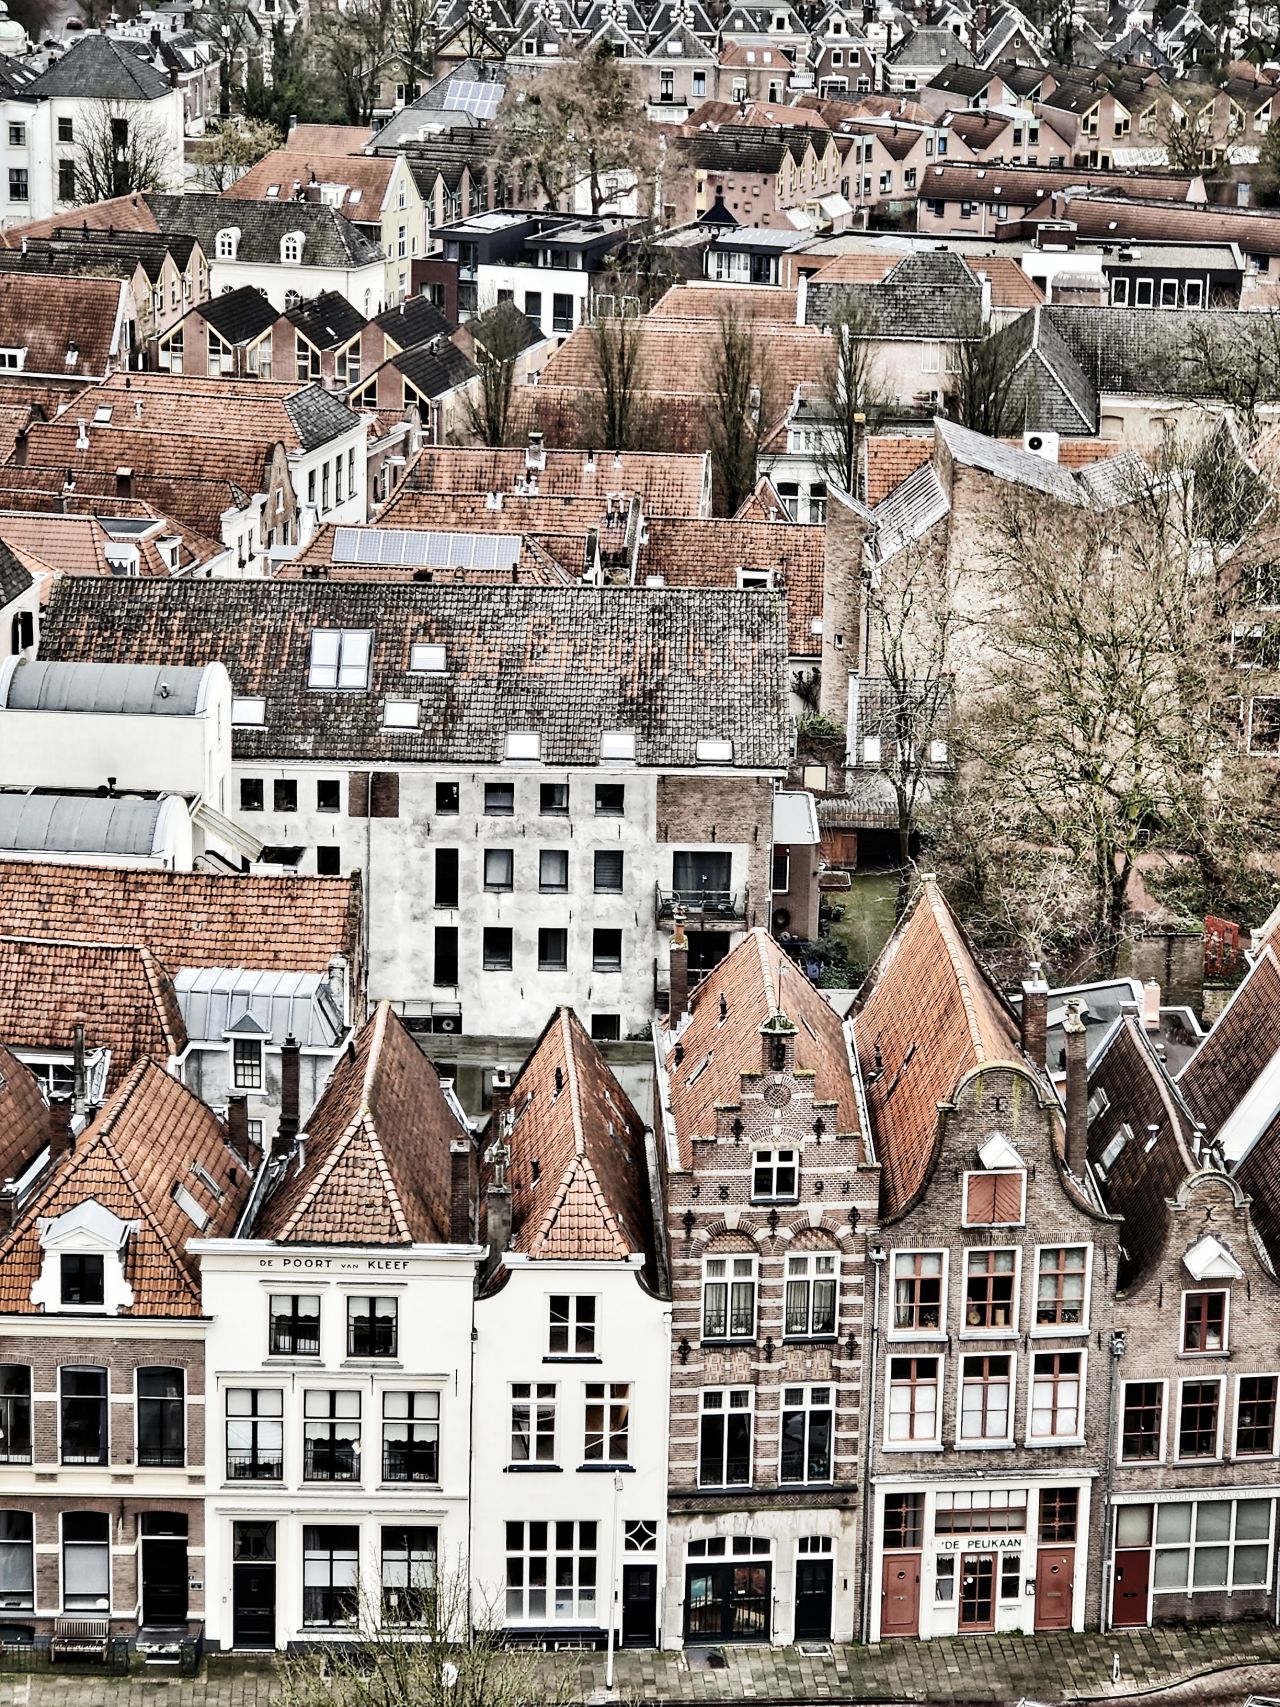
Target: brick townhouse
pixel 103 1461
pixel 769 1182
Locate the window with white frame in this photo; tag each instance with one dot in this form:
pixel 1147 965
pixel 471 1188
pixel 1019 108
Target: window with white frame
pixel 533 1422
pixel 729 1298
pixel 991 1291
pixel 807 1436
pixel 1204 1323
pixel 607 1417
pixel 427 657
pixel 918 1278
pixel 1212 1544
pixel 255 1434
pixel 17 1561
pixel 572 1321
pixel 725 1437
pixel 551 1571
pixel 330 1575
pixel 1057 1395
pixel 15 1413
pixel 411 1437
pixel 914 1410
pixel 1199 1420
pixel 981 1512
pixel 331 1435
pixel 1062 1273
pixel 409 1574
pixel 986 1389
pixel 340 658
pixel 810 1298
pixel 775 1176
pixel 86 1561
pixel 1141 1422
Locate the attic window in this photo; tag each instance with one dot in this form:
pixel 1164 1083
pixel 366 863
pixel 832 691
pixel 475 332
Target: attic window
pixel 207 1180
pixel 197 1216
pixel 340 658
pixel 617 743
pixel 353 196
pixel 102 415
pixel 523 744
pixel 248 713
pixel 400 714
pixel 227 243
pixel 755 578
pixel 1111 1154
pixel 273 191
pixel 1099 1103
pixel 12 359
pixel 428 659
pixel 700 1069
pixel 714 752
pixel 291 248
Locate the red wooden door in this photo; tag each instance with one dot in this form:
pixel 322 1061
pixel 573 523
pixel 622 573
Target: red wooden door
pixel 1132 1581
pixel 900 1596
pixel 1055 1575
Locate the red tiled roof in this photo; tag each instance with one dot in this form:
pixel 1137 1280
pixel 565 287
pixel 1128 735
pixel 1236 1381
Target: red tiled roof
pixel 667 485
pixel 124 994
pixel 24 1124
pixel 590 1199
pixel 1242 1043
pixel 678 357
pixel 120 213
pixel 709 554
pixel 330 138
pixel 891 458
pixel 49 315
pixel 757 981
pixel 377 1169
pixel 703 301
pixel 149 1137
pixel 929 1011
pixel 297 165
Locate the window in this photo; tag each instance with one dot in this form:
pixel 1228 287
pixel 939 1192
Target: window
pixel 1198 1419
pixel 246 1063
pixel 18 191
pixel 523 744
pixel 255 1434
pixel 1256 1416
pixel 1056 1395
pixel 1264 725
pixel 1059 1514
pixel 914 1390
pixel 993 1200
pixel 411 1437
pixel 161 1434
pixel 608 871
pixel 446 955
pixel 284 795
pixel 295 1324
pixel 172 347
pixel 533 1422
pixel 608 1422
pixel 1142 1421
pixel 917 1291
pixel 990 1290
pixel 724 1437
pixel 340 658
pixel 331 1435
pixel 330 1575
pixel 533 307
pixel 447 799
pixel 807 1430
pixel 427 658
pixel 553 871
pixel 499 799
pixel 606 950
pixel 1204 1322
pixel 499 868
pixel 551 1571
pixel 496 948
pixel 572 1325
pixel 702 877
pixel 86 1561
pixel 17 1561
pixel 611 799
pixel 561 312
pixel 553 949
pixel 66 131
pixel 606 1028
pixel 985 1387
pixel 729 1298
pixel 346 366
pixel 811 1296
pixel 83 1281
pixel 981 1513
pixel 446 875
pixel 617 743
pixel 409 1575
pixel 1212 1544
pixel 15 1413
pixel 1060 1283
pixel 553 799
pixel 17 136
pixel 83 1415
pixel 328 795
pixel 903 1520
pixel 774 1176
pixel 371 1327
pixel 400 713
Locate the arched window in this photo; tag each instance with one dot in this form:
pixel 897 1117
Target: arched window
pixel 228 241
pixel 291 248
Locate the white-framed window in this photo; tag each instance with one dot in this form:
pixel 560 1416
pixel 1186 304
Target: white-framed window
pixel 227 242
pixel 714 752
pixel 1056 1409
pixel 400 713
pixel 990 1291
pixel 994 1199
pixel 1264 724
pixel 1062 1289
pixel 427 657
pixel 1205 1323
pixel 551 1572
pixel 986 1399
pixel 533 1422
pixel 1254 1435
pixel 1143 1406
pixel 255 1434
pixel 17 1561
pixel 409 1574
pixel 248 713
pixel 340 658
pixel 725 1428
pixel 1205 1546
pixel 86 1561
pixel 813 1279
pixel 617 743
pixel 607 1422
pixel 775 1176
pixel 330 1575
pixel 913 1414
pixel 573 1320
pixel 919 1293
pixel 1199 1431
pixel 729 1297
pixel 291 248
pixel 807 1437
pixel 523 744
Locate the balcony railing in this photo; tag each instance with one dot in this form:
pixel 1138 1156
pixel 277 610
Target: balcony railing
pixel 246 1465
pixel 703 905
pixel 401 1466
pixel 162 1457
pixel 327 1465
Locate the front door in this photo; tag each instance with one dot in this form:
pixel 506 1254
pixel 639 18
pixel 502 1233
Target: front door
pixel 639 1606
pixel 164 1568
pixel 813 1599
pixel 900 1595
pixel 253 1586
pixel 1055 1581
pixel 727 1603
pixel 977 1592
pixel 1133 1580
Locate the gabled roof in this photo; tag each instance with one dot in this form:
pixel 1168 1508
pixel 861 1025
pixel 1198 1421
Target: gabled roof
pixel 15 577
pixel 286 174
pixel 666 484
pixel 327 321
pixel 927 294
pixel 24 1118
pixel 415 321
pixel 435 368
pixel 330 240
pixel 579 1179
pixel 1050 388
pixel 375 1169
pixel 66 325
pixel 238 315
pixel 1239 1049
pixel 689 553
pixel 152 1136
pixel 757 982
pixel 99 68
pixel 926 1015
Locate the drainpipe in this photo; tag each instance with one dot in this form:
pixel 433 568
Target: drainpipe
pixel 1118 1348
pixel 869 1417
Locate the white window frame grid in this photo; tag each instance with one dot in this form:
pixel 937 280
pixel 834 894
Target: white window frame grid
pixel 809 1408
pixel 359 641
pixel 810 1277
pixel 775 1153
pixel 892 1331
pixel 985 1442
pixel 577 1322
pixel 985 1331
pixel 585 1605
pixel 725 1411
pixel 1076 1435
pixel 613 1397
pixel 1197 1380
pixel 1144 1381
pixel 728 1280
pixel 1192 1545
pixel 1199 1291
pixel 1254 1457
pixel 918 1443
pixel 1061 1330
pixel 534 1398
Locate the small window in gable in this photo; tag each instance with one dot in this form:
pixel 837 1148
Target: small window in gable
pixel 291 248
pixel 993 1200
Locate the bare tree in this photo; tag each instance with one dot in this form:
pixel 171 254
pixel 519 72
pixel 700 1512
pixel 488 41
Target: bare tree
pixel 980 392
pixel 414 33
pixel 121 149
pixel 357 43
pixel 1185 129
pixel 498 337
pixel 736 412
pixel 853 400
pixel 238 36
pixel 616 414
pixel 1223 357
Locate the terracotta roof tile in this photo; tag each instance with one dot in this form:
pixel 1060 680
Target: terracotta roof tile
pixel 925 1016
pixel 590 1199
pixel 706 301
pixel 285 169
pixel 24 1125
pixel 858 268
pixel 710 553
pixel 1242 1043
pixel 50 315
pixel 678 356
pixel 376 1169
pixel 890 459
pixel 148 1138
pixel 666 485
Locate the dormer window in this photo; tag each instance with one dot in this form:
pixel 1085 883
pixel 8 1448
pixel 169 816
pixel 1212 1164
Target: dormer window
pixel 617 743
pixel 246 1063
pixel 291 248
pixel 82 1281
pixel 227 243
pixel 83 1267
pixel 714 752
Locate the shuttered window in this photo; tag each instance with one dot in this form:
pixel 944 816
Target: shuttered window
pixel 993 1200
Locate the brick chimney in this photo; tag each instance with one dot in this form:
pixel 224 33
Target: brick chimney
pixel 1035 1016
pixel 238 1125
pixel 843 562
pixel 678 1003
pixel 290 1085
pixel 61 1142
pixel 1151 1005
pixel 8 1209
pixel 1077 1090
pixel 499 1098
pixel 461 1191
pixel 79 1075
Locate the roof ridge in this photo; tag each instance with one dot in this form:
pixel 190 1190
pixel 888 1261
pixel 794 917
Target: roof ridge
pixel 766 978
pixel 960 965
pixel 154 972
pixel 571 1072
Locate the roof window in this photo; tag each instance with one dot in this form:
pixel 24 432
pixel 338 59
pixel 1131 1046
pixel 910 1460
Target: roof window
pixel 248 713
pixel 427 658
pixel 399 714
pixel 617 743
pixel 340 658
pixel 710 752
pixel 523 744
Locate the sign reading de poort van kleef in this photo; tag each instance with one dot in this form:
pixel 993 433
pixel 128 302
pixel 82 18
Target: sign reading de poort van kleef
pixel 339 1265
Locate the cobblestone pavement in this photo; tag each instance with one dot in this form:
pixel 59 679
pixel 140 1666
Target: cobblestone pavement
pixel 1179 1668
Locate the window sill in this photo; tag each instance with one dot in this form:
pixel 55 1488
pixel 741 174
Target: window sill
pixel 1203 1356
pixel 912 1446
pixel 293 1360
pixel 726 1342
pixel 972 1333
pixel 1054 1440
pixel 398 1487
pixel 571 1357
pixel 917 1336
pixel 533 1470
pixel 810 1339
pixel 371 1362
pixel 773 1202
pixel 983 1445
pixel 603 1469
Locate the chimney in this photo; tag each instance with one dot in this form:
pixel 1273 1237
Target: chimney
pixel 499 1097
pixel 338 984
pixel 61 1142
pixel 1077 1090
pixel 535 454
pixel 461 1189
pixel 124 483
pixel 238 1125
pixel 1151 1005
pixel 79 1075
pixel 8 1209
pixel 497 1207
pixel 679 981
pixel 290 1076
pixel 1035 1016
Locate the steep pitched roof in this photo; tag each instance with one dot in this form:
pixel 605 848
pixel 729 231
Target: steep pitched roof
pixel 330 240
pixel 578 1174
pixel 24 1125
pixel 238 314
pixel 415 321
pixel 152 1136
pixel 926 1015
pixel 757 982
pixel 1240 1048
pixel 67 326
pixel 99 68
pixel 710 554
pixel 376 1169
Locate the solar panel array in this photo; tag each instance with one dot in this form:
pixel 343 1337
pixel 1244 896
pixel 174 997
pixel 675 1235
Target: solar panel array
pixel 404 548
pixel 480 99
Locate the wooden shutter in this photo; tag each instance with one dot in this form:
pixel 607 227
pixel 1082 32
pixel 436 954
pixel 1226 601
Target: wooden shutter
pixel 357 794
pixel 980 1200
pixel 384 794
pixel 1008 1198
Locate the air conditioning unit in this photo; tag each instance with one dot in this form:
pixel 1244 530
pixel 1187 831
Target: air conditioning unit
pixel 1041 444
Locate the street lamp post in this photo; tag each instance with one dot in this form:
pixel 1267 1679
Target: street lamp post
pixel 613 1584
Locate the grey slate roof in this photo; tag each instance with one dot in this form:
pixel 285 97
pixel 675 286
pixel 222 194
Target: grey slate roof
pixel 1050 390
pixel 239 314
pixel 97 68
pixel 676 665
pixel 929 294
pixel 15 577
pixel 122 687
pixel 432 369
pixel 319 416
pixel 414 322
pixel 73 823
pixel 992 456
pixel 909 511
pixel 330 240
pixel 1154 351
pixel 328 321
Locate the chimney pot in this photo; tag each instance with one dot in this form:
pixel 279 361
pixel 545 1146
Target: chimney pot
pixel 1151 1005
pixel 678 1001
pixel 290 1086
pixel 61 1142
pixel 1077 1090
pixel 1035 1016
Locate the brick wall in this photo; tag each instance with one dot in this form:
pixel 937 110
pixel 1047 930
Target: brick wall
pixel 696 810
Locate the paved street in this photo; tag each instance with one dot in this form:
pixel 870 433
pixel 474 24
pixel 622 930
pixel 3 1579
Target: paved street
pixel 1213 1666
